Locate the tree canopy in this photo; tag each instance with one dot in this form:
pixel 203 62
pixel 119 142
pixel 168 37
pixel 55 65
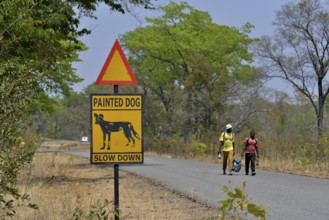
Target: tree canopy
pixel 299 52
pixel 186 60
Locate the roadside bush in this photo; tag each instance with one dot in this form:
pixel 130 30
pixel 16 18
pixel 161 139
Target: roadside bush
pixel 238 204
pixel 198 149
pixel 324 142
pixel 12 159
pixel 203 149
pixel 168 145
pixel 101 210
pixel 302 162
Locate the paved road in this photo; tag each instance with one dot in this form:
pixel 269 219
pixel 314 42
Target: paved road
pixel 285 196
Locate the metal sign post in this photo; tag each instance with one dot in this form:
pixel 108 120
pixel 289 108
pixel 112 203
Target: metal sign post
pixel 116 120
pixel 116 192
pixel 116 178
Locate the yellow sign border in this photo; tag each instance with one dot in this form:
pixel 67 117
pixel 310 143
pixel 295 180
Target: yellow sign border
pixel 116 157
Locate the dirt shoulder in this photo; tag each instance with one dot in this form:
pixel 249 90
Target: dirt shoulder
pixel 60 183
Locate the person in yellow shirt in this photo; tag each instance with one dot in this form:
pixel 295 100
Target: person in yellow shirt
pixel 226 147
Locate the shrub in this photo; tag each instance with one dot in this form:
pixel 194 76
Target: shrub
pixel 238 202
pixel 102 210
pixel 198 149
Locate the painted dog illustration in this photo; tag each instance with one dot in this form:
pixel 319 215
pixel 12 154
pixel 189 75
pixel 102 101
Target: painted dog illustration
pixel 108 127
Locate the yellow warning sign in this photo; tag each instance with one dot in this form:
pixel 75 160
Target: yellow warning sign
pixel 116 134
pixel 116 70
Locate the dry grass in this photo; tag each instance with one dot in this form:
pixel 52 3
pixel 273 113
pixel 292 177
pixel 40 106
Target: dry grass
pixel 59 143
pixel 318 169
pixel 60 183
pixel 315 169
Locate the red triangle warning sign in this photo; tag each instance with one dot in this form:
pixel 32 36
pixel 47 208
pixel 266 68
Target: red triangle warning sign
pixel 116 70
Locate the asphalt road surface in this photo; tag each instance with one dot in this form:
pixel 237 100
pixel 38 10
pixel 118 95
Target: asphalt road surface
pixel 285 196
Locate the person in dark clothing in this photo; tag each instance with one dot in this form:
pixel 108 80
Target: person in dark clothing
pixel 250 151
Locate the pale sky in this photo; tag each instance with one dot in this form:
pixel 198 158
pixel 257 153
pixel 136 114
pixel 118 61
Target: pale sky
pixel 110 25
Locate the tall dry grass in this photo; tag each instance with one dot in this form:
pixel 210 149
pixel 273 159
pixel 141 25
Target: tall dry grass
pixel 57 189
pixel 317 169
pixel 59 184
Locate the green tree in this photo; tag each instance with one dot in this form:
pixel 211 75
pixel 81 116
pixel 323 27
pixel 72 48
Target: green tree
pixel 70 119
pixel 39 41
pixel 299 52
pixel 189 63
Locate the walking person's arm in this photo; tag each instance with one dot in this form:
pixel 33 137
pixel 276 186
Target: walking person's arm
pixel 220 146
pixel 257 148
pixel 257 152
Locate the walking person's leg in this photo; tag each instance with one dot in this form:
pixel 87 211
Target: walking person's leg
pixel 225 155
pixel 230 162
pixel 253 160
pixel 247 160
